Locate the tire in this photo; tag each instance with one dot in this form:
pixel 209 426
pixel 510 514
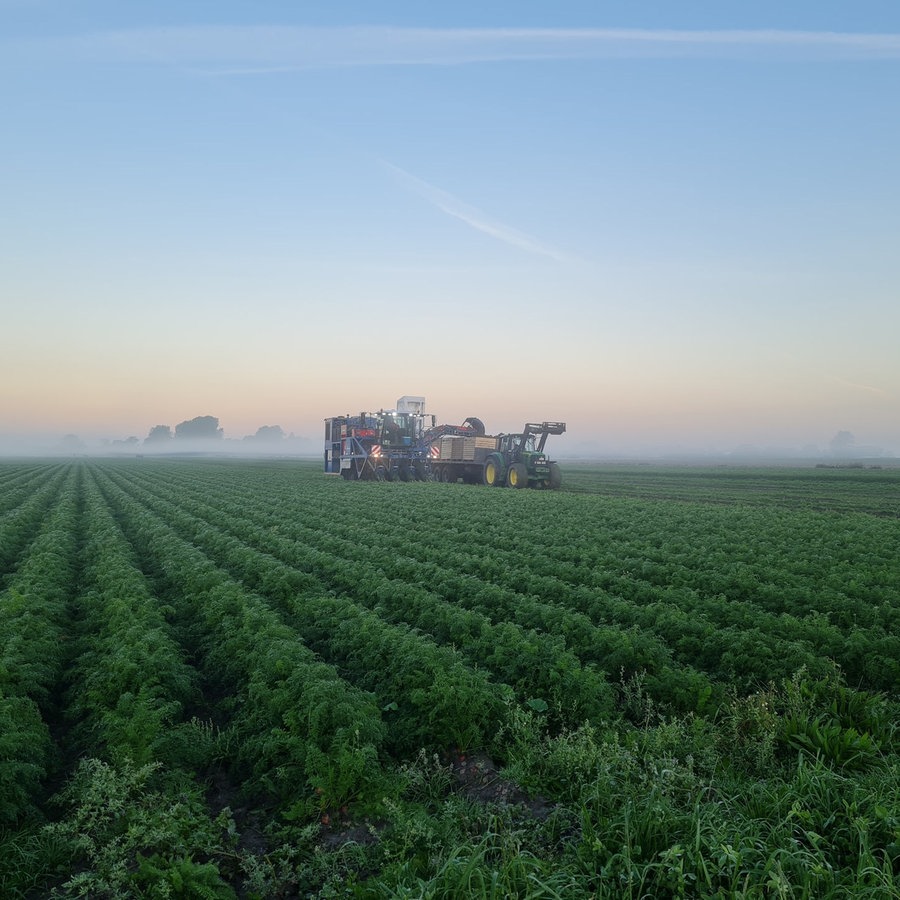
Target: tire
pixel 382 474
pixel 448 476
pixel 555 480
pixel 517 476
pixel 419 471
pixel 492 477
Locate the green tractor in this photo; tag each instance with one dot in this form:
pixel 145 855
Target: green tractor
pixel 519 460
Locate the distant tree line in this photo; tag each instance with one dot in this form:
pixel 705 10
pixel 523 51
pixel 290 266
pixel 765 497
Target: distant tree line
pixel 267 433
pixel 206 428
pixel 200 428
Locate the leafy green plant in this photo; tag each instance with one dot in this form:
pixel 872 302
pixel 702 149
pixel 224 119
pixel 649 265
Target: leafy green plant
pixel 180 877
pixel 129 835
pixel 827 740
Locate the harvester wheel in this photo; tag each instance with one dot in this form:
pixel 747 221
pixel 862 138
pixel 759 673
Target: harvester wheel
pixel 382 473
pixel 419 470
pixel 555 481
pixel 492 473
pixel 447 475
pixel 517 476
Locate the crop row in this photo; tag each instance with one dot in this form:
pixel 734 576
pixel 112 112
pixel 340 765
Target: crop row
pixel 851 614
pixel 535 663
pixel 859 490
pixel 18 482
pixel 34 615
pixel 27 509
pixel 130 683
pixel 431 694
pixel 92 690
pixel 299 726
pixel 689 609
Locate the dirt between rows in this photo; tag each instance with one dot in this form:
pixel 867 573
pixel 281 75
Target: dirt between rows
pixel 477 778
pixel 474 776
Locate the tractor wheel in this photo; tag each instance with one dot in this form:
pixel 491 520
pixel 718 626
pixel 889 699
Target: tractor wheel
pixel 492 473
pixel 517 476
pixel 447 475
pixel 555 482
pixel 382 473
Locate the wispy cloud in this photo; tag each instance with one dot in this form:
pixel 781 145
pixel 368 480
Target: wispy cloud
pixel 254 49
pixel 868 388
pixel 473 217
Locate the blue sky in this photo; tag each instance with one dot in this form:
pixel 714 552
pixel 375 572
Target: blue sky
pixel 672 225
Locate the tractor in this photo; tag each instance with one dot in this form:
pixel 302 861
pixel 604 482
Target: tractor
pixel 519 460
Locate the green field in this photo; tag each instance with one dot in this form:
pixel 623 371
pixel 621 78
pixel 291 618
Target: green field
pixel 247 679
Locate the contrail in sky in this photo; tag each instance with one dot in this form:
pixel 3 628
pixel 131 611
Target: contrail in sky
pixel 861 387
pixel 261 49
pixel 474 218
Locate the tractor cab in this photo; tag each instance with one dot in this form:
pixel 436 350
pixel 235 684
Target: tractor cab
pixel 528 446
pixel 517 447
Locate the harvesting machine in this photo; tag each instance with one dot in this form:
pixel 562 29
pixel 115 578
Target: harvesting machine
pixel 385 445
pixel 401 445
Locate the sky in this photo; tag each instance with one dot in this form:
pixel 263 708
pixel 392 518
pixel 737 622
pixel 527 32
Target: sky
pixel 673 225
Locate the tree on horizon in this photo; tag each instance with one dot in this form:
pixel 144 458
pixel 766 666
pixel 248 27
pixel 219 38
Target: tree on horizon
pixel 200 428
pixel 158 434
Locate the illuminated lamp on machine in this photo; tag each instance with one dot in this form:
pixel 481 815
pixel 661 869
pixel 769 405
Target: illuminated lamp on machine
pixel 435 451
pixel 376 450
